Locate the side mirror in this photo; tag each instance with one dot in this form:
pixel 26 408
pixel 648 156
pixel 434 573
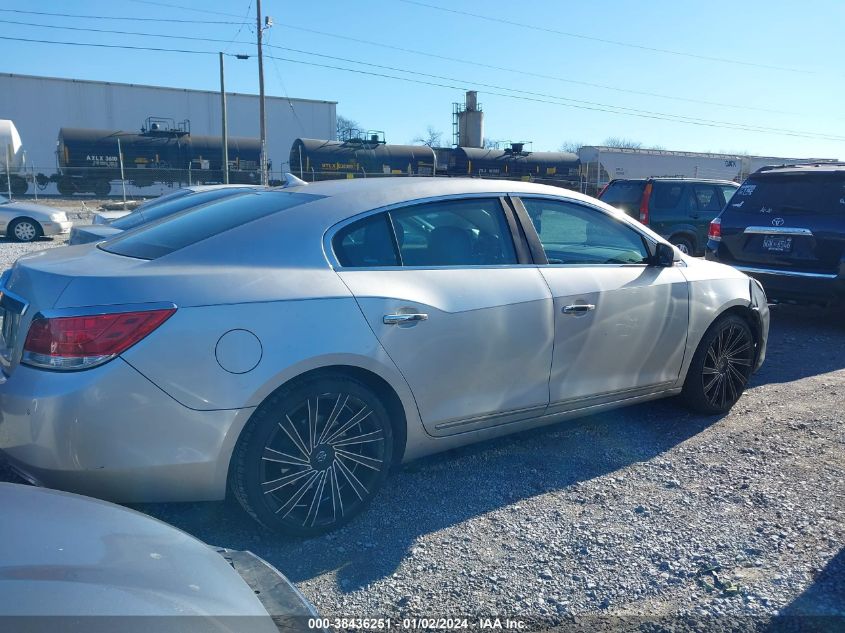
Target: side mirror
pixel 664 255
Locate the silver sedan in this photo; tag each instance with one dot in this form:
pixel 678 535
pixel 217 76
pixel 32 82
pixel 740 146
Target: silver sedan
pixel 26 221
pixel 292 345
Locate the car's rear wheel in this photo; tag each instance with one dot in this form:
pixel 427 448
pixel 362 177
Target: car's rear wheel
pixel 24 230
pixel 721 366
pixel 683 244
pixel 313 455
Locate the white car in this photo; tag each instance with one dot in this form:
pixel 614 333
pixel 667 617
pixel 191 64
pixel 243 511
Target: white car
pixel 25 221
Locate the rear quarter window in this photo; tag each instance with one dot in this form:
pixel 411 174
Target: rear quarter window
pixel 199 223
pixel 623 194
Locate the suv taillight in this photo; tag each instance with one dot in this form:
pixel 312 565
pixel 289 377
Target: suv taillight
pixel 81 342
pixel 644 203
pixel 715 232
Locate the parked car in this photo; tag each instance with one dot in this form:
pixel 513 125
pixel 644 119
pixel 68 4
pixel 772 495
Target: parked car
pixel 294 344
pixel 786 227
pixel 81 564
pixel 679 209
pixel 27 221
pixel 150 212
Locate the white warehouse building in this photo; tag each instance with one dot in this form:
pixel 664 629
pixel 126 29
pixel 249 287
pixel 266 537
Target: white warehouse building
pixel 40 106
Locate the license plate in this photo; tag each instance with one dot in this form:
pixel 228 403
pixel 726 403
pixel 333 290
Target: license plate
pixel 777 243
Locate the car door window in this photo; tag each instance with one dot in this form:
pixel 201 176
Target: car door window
pixel 709 200
pixel 577 234
pixel 667 195
pixel 367 243
pixel 470 232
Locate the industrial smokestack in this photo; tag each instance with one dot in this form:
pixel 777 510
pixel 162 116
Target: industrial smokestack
pixel 471 122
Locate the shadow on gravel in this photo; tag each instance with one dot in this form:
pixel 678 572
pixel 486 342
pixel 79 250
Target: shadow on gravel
pixel 448 489
pixel 822 605
pixel 803 341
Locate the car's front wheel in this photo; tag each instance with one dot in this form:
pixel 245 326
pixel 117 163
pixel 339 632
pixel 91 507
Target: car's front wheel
pixel 313 455
pixel 721 366
pixel 25 230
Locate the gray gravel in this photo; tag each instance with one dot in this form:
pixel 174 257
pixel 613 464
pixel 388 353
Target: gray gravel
pixel 646 512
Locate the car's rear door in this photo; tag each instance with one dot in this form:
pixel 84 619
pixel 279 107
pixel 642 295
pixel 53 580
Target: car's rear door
pixel 620 324
pixel 458 306
pixel 793 221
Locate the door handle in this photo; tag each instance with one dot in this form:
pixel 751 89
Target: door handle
pixel 578 308
pixel 395 319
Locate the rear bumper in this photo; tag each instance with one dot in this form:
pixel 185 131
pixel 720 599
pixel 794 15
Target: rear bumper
pixel 790 285
pixel 110 433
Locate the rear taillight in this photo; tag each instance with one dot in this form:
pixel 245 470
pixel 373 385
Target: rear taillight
pixel 80 342
pixel 715 232
pixel 603 189
pixel 644 203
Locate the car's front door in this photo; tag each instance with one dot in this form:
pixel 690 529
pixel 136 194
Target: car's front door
pixel 621 324
pixel 458 306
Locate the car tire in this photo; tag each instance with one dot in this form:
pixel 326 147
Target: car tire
pixel 313 455
pixel 24 230
pixel 683 244
pixel 720 367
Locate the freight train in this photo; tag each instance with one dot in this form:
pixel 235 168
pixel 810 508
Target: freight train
pixel 369 156
pixel 163 152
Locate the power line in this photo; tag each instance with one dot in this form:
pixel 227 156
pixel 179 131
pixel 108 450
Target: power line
pixel 116 32
pixel 422 74
pixel 591 38
pixel 183 7
pixel 123 46
pixel 532 74
pixel 240 28
pixel 124 19
pixel 597 108
pixel 702 123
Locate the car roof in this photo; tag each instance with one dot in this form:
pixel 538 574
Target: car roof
pixel 810 168
pixel 676 179
pixel 365 194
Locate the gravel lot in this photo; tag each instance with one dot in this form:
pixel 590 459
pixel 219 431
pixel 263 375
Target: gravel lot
pixel 646 512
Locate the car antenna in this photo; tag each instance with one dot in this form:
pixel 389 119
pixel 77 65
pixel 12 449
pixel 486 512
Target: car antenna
pixel 292 181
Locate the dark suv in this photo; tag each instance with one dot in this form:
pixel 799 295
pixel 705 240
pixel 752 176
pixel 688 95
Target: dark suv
pixel 786 227
pixel 679 209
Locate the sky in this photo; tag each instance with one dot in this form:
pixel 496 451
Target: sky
pixel 759 76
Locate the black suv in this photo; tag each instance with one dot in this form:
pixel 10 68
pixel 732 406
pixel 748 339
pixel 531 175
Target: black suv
pixel 786 227
pixel 679 209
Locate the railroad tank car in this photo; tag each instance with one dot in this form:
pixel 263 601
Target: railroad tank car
pixel 314 159
pixel 88 159
pixel 558 168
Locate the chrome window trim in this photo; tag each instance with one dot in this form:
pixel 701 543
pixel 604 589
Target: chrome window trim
pixel 786 273
pixel 777 230
pixel 82 311
pixel 334 264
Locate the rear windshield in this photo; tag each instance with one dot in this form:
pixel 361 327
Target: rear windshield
pixel 623 194
pixel 139 217
pixel 199 223
pixel 791 194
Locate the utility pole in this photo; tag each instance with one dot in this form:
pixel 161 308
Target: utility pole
pixel 225 124
pixel 261 114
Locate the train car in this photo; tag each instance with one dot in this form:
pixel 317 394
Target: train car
pixel 163 152
pixel 514 163
pixel 359 157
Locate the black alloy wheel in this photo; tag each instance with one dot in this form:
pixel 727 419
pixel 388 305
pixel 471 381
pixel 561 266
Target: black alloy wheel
pixel 313 456
pixel 721 366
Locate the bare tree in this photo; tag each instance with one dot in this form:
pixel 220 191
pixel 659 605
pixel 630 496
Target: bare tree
pixel 431 137
pixel 622 142
pixel 570 146
pixel 345 126
pixel 489 143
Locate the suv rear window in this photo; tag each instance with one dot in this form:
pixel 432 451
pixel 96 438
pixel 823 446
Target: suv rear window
pixel 792 194
pixel 624 194
pixel 199 223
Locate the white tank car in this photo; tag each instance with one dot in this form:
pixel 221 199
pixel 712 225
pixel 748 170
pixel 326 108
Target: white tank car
pixel 11 148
